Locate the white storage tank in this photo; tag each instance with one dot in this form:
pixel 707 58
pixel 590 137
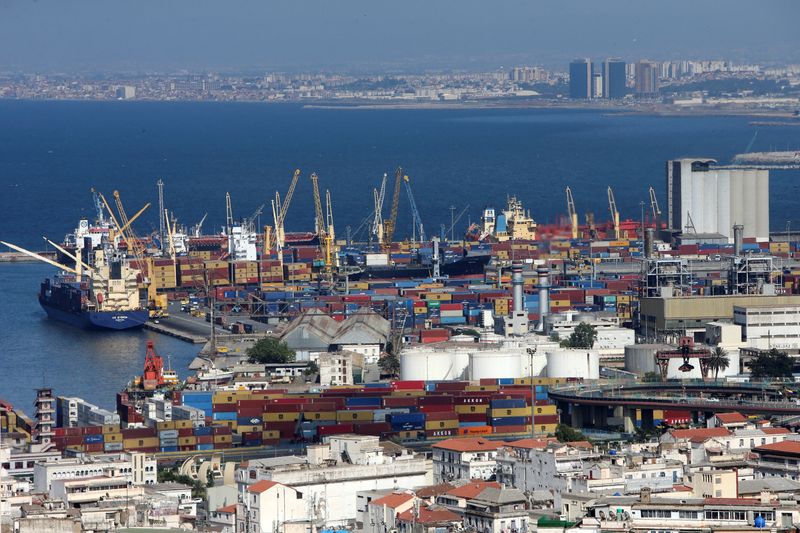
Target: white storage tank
pixel 495 364
pixel 433 365
pixel 641 358
pixel 573 363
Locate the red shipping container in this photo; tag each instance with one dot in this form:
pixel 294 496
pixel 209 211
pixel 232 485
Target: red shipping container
pixel 223 408
pixel 451 385
pixel 334 429
pixel 435 408
pixel 218 430
pixel 408 385
pixel 207 439
pixel 185 432
pixel 141 433
pixel 510 429
pixel 440 433
pixel 546 419
pixel 400 401
pixel 441 415
pixel 222 445
pixel 94 448
pixel 92 430
pixel 435 400
pixel 472 417
pixel 375 428
pixel 249 412
pixel 477 398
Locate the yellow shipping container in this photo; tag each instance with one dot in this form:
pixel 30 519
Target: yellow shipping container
pixel 182 424
pixel 248 429
pixel 516 411
pixel 149 442
pixel 474 388
pixel 546 410
pixel 112 437
pixel 320 415
pixel 546 429
pixel 408 435
pixel 441 424
pixel 165 424
pixel 223 439
pixel 281 417
pixel 472 408
pixel 187 441
pixel 110 428
pixel 270 434
pixel 359 416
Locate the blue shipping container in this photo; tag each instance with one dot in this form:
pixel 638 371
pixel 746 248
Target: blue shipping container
pixel 509 421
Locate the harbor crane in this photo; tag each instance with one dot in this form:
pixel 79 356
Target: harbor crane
pixel 279 210
pixel 656 210
pixel 228 214
pixel 573 215
pixel 415 218
pixel 377 221
pixel 325 239
pixel 612 206
pixel 456 218
pixel 390 225
pixel 199 226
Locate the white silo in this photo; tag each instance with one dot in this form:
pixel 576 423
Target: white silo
pixel 573 363
pixel 495 364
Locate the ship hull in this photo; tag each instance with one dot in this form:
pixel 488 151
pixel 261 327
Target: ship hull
pixel 106 320
pixel 464 266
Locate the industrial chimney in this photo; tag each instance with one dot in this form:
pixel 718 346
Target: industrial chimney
pixel 517 285
pixel 649 237
pixel 543 282
pixel 738 231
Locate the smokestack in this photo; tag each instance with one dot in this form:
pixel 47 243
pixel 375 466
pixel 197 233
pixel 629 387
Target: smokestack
pixel 517 285
pixel 738 231
pixel 543 282
pixel 649 237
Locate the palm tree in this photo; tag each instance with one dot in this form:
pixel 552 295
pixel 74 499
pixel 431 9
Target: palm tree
pixel 719 360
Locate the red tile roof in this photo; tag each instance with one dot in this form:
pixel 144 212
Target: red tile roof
pixel 681 488
pixel 538 444
pixel 731 418
pixel 476 444
pixel 227 509
pixel 776 431
pixel 262 486
pixel 472 489
pixel 393 500
pixel 731 501
pixel 791 447
pixel 700 434
pixel 434 490
pixel 429 516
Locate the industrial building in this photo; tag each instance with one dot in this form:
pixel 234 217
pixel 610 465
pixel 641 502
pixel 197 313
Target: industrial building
pixel 661 318
pixel 705 200
pixel 773 326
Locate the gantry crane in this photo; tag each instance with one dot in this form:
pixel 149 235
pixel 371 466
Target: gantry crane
pixel 656 210
pixel 228 214
pixel 325 239
pixel 279 210
pixel 573 215
pixel 456 218
pixel 377 221
pixel 133 242
pixel 612 207
pixel 390 225
pixel 415 218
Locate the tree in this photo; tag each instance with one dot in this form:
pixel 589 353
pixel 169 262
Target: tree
pixel 651 377
pixel 565 433
pixel 719 361
pixel 389 364
pixel 583 336
pixel 270 350
pixel 311 369
pixel 773 364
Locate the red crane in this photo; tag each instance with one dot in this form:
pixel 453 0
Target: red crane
pixel 153 376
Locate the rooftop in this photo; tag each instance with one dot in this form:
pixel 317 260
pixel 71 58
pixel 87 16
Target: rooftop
pixel 393 500
pixel 476 444
pixel 787 447
pixel 261 486
pixel 472 489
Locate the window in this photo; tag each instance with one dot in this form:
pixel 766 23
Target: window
pixel 656 513
pixel 688 514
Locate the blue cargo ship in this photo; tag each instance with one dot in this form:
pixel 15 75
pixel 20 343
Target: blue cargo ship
pixel 71 302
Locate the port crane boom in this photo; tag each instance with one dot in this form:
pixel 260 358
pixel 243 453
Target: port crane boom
pixel 377 222
pixel 322 231
pixel 573 215
pixel 416 220
pixel 279 210
pixel 458 217
pixel 79 264
pixel 40 257
pixel 656 210
pixel 390 225
pixel 612 206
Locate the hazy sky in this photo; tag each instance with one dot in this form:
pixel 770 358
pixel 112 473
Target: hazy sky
pixel 138 35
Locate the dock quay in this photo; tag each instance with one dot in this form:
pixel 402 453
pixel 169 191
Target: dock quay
pixel 160 327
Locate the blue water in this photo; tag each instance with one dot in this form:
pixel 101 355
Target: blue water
pixel 52 153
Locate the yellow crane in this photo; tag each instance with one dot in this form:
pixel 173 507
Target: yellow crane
pixel 612 206
pixel 573 215
pixel 279 210
pixel 325 239
pixel 390 224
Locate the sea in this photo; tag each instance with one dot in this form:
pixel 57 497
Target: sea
pixel 52 153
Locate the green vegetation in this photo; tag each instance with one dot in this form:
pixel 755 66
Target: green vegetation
pixel 565 433
pixel 198 487
pixel 773 364
pixel 651 377
pixel 270 350
pixel 389 364
pixel 583 336
pixel 719 361
pixel 311 369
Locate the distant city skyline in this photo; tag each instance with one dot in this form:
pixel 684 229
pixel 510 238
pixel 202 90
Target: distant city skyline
pixel 357 35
